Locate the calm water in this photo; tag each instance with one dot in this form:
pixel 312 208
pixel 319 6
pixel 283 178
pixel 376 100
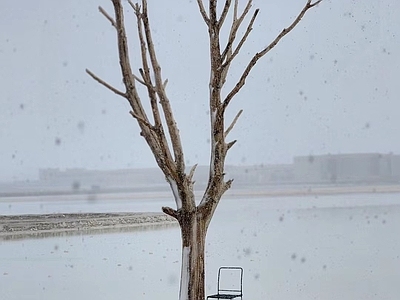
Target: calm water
pixel 331 247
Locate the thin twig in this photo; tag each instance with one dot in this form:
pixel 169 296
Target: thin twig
pixel 233 123
pixel 230 144
pixel 134 6
pixel 260 54
pixel 315 3
pixel 142 82
pixel 243 39
pixel 191 173
pixel 236 22
pixel 109 86
pixel 141 120
pixel 108 17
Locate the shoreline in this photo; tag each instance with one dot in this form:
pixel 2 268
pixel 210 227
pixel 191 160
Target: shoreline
pixel 14 227
pixel 250 191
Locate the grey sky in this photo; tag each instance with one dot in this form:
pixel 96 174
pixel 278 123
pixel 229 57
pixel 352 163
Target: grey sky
pixel 331 86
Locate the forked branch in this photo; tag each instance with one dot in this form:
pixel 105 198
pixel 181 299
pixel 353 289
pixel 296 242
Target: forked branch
pixel 260 54
pixel 141 120
pixel 236 23
pixel 227 55
pixel 203 12
pixel 164 101
pixel 230 57
pixel 173 165
pixel 145 71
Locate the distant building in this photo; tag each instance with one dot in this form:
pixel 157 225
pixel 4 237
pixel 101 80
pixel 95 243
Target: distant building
pixel 359 168
pixel 261 174
pixel 347 168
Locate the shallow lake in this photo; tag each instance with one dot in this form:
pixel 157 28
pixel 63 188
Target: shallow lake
pixel 327 247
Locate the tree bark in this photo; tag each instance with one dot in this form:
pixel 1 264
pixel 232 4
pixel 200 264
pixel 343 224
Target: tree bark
pixel 193 220
pixel 193 229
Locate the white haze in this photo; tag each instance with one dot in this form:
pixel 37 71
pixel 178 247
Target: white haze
pixel 331 86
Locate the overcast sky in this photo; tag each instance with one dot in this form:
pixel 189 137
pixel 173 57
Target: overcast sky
pixel 331 86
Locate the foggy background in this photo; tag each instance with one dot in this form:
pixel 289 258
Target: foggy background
pixel 330 86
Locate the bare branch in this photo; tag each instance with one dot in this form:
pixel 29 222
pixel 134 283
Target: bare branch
pixel 170 211
pixel 233 123
pixel 142 82
pixel 110 87
pixel 145 71
pixel 213 14
pixel 191 173
pixel 124 61
pixel 235 9
pixel 203 12
pixel 315 3
pixel 141 120
pixel 260 54
pixel 165 83
pixel 243 39
pixel 236 22
pixel 149 132
pixel 134 6
pixel 165 152
pixel 224 13
pixel 230 144
pixel 227 185
pixel 104 13
pixel 165 104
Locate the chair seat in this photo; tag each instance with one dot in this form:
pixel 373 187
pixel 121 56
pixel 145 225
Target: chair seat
pixel 224 296
pixel 227 290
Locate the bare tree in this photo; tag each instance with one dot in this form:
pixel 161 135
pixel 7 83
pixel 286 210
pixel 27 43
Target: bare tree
pixel 163 136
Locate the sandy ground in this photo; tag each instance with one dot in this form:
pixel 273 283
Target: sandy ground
pixel 21 226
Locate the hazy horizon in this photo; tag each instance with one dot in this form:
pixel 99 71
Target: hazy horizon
pixel 330 86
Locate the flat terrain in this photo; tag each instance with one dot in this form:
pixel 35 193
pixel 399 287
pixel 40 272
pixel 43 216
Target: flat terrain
pixel 19 225
pixel 33 225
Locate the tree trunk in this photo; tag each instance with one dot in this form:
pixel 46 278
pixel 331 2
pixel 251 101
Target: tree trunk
pixel 193 230
pixel 193 220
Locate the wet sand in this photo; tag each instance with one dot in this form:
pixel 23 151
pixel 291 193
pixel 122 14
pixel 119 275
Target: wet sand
pixel 21 226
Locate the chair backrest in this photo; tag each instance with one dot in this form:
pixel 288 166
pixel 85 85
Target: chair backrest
pixel 230 280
